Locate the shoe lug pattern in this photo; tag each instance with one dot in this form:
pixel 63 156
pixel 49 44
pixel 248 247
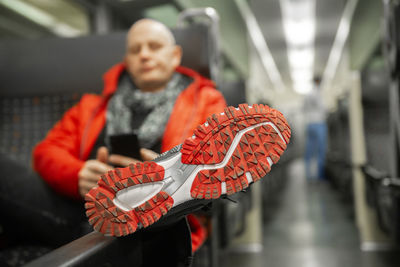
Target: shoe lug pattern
pixel 107 218
pixel 212 140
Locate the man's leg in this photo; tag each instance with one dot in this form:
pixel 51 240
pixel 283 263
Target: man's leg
pixel 178 247
pixel 32 211
pixel 321 150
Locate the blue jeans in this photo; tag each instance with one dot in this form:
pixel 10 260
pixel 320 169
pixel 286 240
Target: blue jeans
pixel 315 148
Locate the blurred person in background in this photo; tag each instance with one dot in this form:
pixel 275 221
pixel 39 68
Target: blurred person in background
pixel 316 130
pixel 149 95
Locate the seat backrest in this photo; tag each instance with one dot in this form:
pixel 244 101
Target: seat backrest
pixel 75 65
pixel 375 103
pixel 234 92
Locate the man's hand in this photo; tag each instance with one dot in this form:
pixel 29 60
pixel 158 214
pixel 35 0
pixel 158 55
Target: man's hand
pixel 123 161
pixel 92 170
pixel 147 154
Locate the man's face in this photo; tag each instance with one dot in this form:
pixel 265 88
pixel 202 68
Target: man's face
pixel 151 57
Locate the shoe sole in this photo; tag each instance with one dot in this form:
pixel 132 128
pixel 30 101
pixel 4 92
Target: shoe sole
pixel 227 153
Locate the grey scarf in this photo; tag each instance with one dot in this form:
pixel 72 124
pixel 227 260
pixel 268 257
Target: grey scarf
pixel 156 107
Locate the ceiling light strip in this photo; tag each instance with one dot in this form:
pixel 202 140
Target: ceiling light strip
pixel 41 17
pixel 298 22
pixel 260 44
pixel 338 45
pixel 298 18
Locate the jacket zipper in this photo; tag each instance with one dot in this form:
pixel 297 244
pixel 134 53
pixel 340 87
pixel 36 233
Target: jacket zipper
pixel 87 126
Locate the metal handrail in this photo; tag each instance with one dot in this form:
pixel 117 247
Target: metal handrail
pixel 76 252
pixel 380 176
pixel 373 173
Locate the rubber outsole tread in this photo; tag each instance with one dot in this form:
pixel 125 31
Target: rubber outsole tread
pixel 211 142
pixel 225 126
pixel 107 218
pixel 260 143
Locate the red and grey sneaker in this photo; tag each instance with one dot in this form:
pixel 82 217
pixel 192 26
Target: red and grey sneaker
pixel 225 155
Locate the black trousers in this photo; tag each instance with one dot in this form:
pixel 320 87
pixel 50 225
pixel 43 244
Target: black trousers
pixel 32 213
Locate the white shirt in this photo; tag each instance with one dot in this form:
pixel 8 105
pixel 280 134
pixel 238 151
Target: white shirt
pixel 314 107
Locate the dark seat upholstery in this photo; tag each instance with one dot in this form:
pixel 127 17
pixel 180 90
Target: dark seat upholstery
pixel 382 191
pixel 375 100
pixel 24 121
pixel 338 159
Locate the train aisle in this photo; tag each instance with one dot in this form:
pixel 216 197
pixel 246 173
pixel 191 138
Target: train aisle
pixel 310 227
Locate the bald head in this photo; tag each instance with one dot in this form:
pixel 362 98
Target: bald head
pixel 151 54
pixel 153 25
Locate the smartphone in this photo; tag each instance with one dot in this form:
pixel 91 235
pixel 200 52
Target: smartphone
pixel 125 145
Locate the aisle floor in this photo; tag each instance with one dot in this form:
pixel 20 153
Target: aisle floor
pixel 310 227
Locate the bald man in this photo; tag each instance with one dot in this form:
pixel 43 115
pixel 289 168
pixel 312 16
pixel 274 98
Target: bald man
pixel 148 95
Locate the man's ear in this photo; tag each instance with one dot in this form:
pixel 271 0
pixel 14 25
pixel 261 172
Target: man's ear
pixel 177 56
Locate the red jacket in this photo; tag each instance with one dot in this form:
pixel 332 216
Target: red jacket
pixel 60 156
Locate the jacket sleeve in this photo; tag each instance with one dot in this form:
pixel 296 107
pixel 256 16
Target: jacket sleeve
pixel 56 158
